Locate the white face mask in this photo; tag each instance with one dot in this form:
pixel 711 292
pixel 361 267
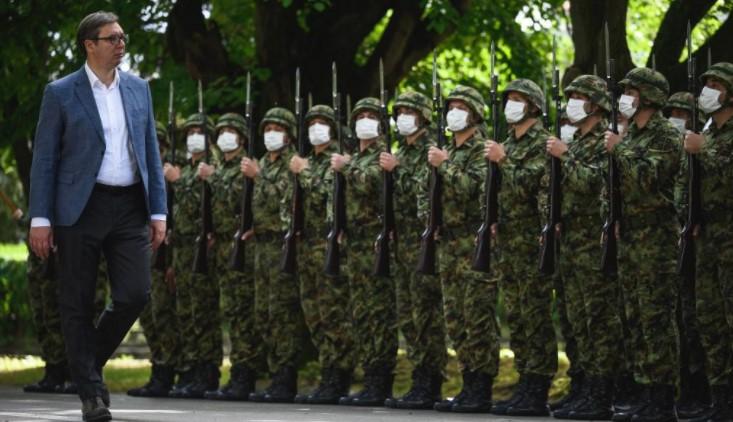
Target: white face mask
pixel 406 124
pixel 626 105
pixel 367 128
pixel 457 119
pixel 679 123
pixel 567 132
pixel 708 100
pixel 274 140
pixel 227 142
pixel 514 111
pixel 576 110
pixel 195 142
pixel 319 134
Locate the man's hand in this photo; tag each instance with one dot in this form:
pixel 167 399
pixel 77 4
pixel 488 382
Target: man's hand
pixel 693 142
pixel 249 168
pixel 205 171
pixel 171 173
pixel 612 139
pixel 437 156
pixel 157 233
pixel 388 161
pixel 338 161
pixel 494 151
pixel 298 164
pixel 556 147
pixel 41 240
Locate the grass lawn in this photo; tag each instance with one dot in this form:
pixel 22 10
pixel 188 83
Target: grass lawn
pixel 124 373
pixel 13 251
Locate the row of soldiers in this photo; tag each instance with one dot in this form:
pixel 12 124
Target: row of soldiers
pixel 632 340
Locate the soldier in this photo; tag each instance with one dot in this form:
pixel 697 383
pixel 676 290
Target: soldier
pixel 694 394
pixel 593 318
pixel 197 295
pixel 325 300
pixel 714 244
pixel 372 297
pixel 236 288
pixel 527 295
pixel 648 160
pixel 469 297
pixel 419 300
pixel 276 295
pixel 159 322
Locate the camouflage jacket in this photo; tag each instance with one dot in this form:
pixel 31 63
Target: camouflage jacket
pixel 187 210
pixel 227 184
pixel 273 187
pixel 363 192
pixel 317 184
pixel 648 160
pixel 411 178
pixel 584 172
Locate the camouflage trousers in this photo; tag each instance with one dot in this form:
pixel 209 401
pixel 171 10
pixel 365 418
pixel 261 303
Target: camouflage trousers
pixel 714 289
pixel 325 303
pixel 372 303
pixel 419 308
pixel 469 304
pixel 566 330
pixel 647 264
pixel 160 323
pixel 43 299
pixel 527 299
pixel 692 352
pixel 594 319
pixel 197 308
pixel 277 304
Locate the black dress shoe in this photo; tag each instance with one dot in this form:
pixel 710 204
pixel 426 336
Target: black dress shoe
pixel 94 410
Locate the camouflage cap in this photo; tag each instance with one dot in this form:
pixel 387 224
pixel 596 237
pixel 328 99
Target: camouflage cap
pixel 282 117
pixel 416 101
pixel 592 87
pixel 471 97
pixel 322 111
pixel 197 120
pixel 233 120
pixel 366 103
pixel 528 88
pixel 683 100
pixel 652 85
pixel 722 71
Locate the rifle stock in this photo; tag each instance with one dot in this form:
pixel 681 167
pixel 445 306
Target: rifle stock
pixel 332 265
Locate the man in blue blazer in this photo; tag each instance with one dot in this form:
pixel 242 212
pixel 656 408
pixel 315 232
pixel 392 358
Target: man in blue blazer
pixel 97 187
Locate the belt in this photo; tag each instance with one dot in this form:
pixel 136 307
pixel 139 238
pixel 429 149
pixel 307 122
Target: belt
pixel 117 190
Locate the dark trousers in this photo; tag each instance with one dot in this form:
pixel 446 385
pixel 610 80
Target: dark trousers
pixel 114 222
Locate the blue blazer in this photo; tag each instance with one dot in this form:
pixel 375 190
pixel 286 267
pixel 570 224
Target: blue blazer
pixel 69 146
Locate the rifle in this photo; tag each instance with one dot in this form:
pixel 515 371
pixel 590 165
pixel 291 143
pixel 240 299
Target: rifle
pixel 482 253
pixel 550 245
pixel 381 261
pixel 236 256
pixel 426 260
pixel 288 262
pixel 609 252
pixel 200 259
pixel 686 260
pixel 333 251
pixel 163 253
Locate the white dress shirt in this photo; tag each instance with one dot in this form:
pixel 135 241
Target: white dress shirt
pixel 119 166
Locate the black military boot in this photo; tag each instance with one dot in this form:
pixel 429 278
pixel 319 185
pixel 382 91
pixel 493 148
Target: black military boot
pixel 53 379
pixel 478 397
pixel 334 385
pixel 377 388
pixel 580 398
pixel 94 409
pixel 160 383
pixel 206 379
pixel 241 384
pixel 720 410
pixel 597 404
pixel 424 392
pixel 534 401
pixel 326 374
pixel 694 398
pixel 576 386
pixel 501 407
pixel 630 398
pixel 184 379
pixel 660 407
pixel 282 389
pixel 447 405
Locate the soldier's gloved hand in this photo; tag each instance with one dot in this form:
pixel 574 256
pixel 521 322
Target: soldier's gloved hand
pixel 388 161
pixel 205 171
pixel 17 214
pixel 249 168
pixel 494 151
pixel 298 164
pixel 171 173
pixel 338 161
pixel 437 156
pixel 556 147
pixel 248 234
pixel 612 140
pixel 693 142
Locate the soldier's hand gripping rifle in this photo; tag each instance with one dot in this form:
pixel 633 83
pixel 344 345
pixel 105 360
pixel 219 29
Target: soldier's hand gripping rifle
pixel 236 256
pixel 550 243
pixel 163 256
pixel 200 259
pixel 288 261
pixel 612 225
pixel 338 226
pixel 426 260
pixel 482 253
pixel 686 260
pixel 388 233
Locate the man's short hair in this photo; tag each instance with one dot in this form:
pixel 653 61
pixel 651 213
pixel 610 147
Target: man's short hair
pixel 90 25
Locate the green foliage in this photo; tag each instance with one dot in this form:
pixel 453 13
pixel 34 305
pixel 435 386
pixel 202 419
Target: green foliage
pixel 16 321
